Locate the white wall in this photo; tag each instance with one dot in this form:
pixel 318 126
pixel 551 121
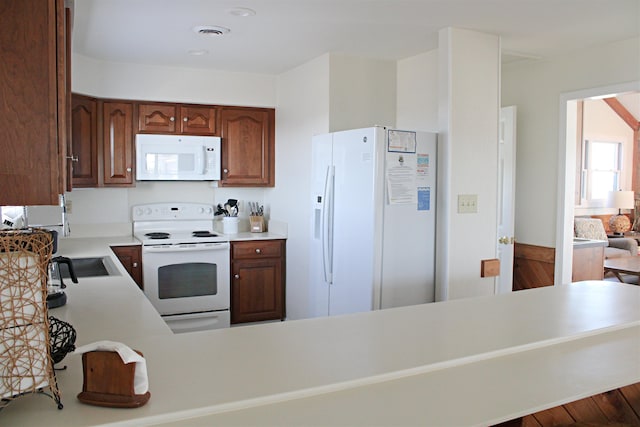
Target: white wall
pixel 108 210
pixel 417 88
pixel 469 103
pixel 155 83
pixel 535 87
pixel 362 93
pixel 302 111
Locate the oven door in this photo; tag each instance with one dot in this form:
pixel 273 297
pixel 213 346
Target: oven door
pixel 187 278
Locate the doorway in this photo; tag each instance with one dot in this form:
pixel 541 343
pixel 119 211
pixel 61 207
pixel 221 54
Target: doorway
pixel 567 173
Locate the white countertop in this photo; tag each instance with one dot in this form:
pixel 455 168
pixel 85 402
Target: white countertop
pixel 536 348
pixel 106 308
pixel 245 235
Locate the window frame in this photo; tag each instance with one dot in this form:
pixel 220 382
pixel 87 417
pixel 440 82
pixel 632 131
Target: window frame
pixel 587 172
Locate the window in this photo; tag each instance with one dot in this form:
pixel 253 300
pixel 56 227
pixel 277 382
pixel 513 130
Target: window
pixel 601 164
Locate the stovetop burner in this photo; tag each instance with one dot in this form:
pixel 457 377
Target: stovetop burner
pixel 157 235
pixel 203 233
pixel 166 224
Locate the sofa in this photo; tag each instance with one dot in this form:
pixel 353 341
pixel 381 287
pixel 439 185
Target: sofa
pixel 593 229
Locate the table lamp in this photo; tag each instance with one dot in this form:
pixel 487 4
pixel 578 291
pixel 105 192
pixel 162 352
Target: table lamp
pixel 620 223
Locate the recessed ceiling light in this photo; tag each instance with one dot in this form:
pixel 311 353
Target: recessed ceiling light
pixel 241 11
pixel 197 52
pixel 210 30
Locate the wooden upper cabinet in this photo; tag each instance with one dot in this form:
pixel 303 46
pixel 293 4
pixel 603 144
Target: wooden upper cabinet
pixel 157 118
pixel 118 144
pixel 177 119
pixel 196 120
pixel 84 141
pixel 248 145
pixel 34 102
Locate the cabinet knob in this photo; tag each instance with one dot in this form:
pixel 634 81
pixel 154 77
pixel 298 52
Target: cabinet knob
pixel 258 250
pixel 237 276
pixel 135 265
pixel 172 119
pixel 225 170
pixel 185 119
pixel 128 169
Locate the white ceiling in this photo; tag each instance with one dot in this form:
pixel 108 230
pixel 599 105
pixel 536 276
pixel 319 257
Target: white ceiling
pixel 286 33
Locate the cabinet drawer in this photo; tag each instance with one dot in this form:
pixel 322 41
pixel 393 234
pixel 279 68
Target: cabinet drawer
pixel 256 249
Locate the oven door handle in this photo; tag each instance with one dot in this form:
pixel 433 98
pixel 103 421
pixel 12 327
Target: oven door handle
pixel 186 247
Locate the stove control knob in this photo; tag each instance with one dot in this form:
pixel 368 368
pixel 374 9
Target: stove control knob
pixel 148 211
pixel 139 211
pixel 201 210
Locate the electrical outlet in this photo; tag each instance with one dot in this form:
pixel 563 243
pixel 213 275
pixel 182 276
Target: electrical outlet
pixel 68 206
pixel 467 203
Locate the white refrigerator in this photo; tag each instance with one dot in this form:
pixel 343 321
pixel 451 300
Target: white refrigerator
pixel 373 221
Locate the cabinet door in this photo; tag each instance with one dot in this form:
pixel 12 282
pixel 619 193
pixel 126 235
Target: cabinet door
pixel 33 104
pixel 157 118
pixel 588 264
pixel 256 290
pixel 247 147
pixel 198 120
pixel 68 166
pixel 84 141
pixel 131 259
pixel 117 134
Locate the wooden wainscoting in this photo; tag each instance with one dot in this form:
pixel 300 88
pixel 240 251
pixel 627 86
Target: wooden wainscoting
pixel 533 266
pixel 616 408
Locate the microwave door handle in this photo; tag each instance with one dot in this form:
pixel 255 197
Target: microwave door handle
pixel 203 160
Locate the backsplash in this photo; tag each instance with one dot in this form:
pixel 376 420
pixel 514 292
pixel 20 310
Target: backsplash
pixel 95 212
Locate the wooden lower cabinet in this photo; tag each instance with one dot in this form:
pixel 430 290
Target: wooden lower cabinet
pixel 257 280
pixel 588 263
pixel 131 259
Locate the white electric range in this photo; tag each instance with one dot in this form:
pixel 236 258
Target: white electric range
pixel 185 264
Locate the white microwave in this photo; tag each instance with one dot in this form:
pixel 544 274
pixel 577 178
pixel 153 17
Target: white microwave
pixel 177 158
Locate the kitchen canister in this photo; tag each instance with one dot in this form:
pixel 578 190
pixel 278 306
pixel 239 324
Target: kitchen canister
pixel 230 225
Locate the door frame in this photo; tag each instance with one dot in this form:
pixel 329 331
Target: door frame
pixel 566 176
pixel 505 251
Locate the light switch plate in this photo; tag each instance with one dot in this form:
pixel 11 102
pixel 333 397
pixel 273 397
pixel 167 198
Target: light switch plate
pixel 467 203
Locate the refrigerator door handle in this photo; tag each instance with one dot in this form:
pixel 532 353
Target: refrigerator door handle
pixel 327 225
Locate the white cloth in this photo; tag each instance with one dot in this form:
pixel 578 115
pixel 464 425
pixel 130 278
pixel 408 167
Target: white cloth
pixel 140 380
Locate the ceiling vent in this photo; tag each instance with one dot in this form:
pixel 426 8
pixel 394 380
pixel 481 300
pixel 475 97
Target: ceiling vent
pixel 210 30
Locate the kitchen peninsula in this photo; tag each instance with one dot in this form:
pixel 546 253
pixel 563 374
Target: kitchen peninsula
pixel 430 364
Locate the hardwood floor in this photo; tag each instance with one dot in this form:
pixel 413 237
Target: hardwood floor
pixel 616 408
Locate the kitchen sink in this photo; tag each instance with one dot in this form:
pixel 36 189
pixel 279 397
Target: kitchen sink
pixel 91 267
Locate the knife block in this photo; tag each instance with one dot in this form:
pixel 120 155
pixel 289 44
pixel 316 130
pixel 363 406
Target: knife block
pixel 257 224
pixel 108 381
